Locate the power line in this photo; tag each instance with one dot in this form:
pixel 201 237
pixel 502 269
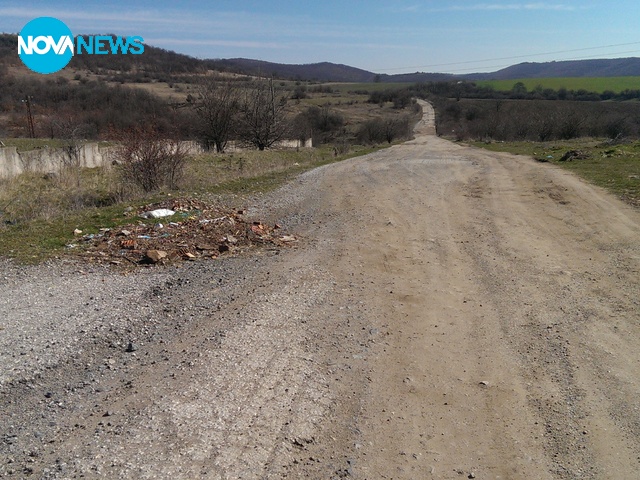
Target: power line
pixel 473 69
pixel 508 58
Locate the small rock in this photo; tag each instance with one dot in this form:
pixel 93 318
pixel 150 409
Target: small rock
pixel 484 383
pixel 472 475
pixel 154 256
pixel 131 347
pixel 232 240
pixel 77 232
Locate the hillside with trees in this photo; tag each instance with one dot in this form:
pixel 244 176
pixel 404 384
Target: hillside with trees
pixel 165 65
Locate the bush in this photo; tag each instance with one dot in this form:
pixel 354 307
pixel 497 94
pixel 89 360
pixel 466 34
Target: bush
pixel 535 120
pixel 384 129
pixel 150 160
pixel 323 124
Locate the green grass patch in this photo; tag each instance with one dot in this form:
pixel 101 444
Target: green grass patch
pixel 614 167
pixel 595 84
pixel 39 239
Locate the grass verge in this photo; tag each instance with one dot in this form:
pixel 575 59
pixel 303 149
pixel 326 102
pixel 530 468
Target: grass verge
pixel 38 216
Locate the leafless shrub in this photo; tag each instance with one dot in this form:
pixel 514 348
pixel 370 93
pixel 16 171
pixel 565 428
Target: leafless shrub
pixel 384 129
pixel 149 159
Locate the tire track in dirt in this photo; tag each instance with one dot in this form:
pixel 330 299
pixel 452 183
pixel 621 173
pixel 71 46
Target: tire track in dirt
pixel 450 313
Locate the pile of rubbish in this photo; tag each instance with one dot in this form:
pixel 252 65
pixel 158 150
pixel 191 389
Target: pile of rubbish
pixel 177 230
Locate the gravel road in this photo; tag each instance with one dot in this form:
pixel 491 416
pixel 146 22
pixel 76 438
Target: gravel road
pixel 447 313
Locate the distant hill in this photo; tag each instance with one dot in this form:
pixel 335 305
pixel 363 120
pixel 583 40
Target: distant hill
pixel 321 72
pixel 617 67
pixel 331 72
pixel 163 64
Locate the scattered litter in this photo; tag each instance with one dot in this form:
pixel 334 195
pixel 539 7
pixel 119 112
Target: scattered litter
pixel 259 229
pixel 128 244
pixel 199 230
pixel 159 213
pixel 77 232
pixel 288 238
pixel 574 155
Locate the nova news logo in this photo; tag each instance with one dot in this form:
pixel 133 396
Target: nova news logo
pixel 46 45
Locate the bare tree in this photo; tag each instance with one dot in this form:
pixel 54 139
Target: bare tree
pixel 263 115
pixel 216 106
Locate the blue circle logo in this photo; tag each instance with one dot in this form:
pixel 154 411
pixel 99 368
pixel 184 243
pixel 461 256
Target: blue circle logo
pixel 45 45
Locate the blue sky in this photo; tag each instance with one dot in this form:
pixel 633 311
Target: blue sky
pixel 380 36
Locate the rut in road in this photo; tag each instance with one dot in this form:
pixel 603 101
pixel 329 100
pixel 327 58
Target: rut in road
pixel 450 313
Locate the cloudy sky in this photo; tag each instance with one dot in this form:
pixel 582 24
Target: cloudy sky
pixel 383 36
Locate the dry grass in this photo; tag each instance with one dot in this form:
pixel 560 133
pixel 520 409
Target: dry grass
pixel 32 196
pixel 38 213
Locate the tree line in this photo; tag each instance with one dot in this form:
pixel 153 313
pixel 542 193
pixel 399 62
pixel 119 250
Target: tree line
pixel 470 90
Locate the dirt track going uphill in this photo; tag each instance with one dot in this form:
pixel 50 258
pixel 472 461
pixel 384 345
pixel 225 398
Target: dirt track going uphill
pixel 448 313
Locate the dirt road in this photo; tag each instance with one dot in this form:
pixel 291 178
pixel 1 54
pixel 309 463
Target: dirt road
pixel 449 313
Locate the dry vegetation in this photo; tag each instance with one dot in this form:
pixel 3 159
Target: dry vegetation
pixel 39 212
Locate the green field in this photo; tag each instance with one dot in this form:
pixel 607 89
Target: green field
pixel 596 84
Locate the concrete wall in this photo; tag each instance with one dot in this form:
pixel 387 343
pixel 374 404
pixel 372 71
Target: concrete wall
pixel 233 146
pixel 46 160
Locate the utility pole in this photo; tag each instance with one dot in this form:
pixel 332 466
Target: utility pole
pixel 27 100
